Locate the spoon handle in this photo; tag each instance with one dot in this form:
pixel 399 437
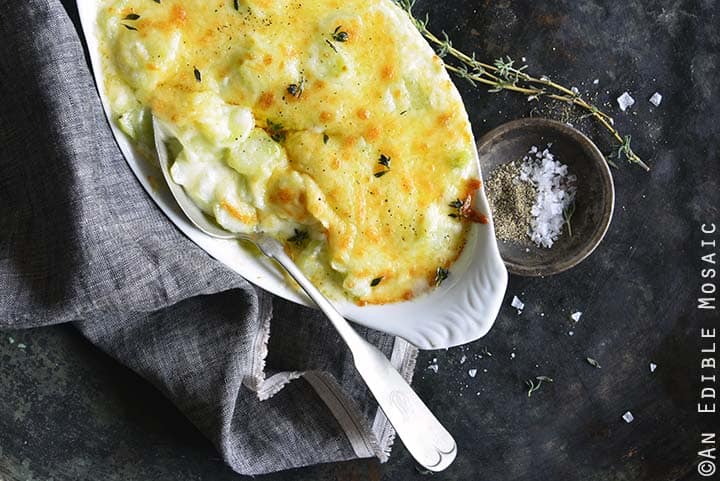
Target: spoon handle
pixel 422 434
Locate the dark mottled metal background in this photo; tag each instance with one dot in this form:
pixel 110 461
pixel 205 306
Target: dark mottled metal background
pixel 67 412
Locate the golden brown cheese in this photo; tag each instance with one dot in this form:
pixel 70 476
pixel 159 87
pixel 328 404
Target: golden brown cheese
pixel 330 124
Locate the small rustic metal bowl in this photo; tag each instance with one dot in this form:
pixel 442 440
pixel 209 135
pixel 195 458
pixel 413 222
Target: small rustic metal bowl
pixel 595 198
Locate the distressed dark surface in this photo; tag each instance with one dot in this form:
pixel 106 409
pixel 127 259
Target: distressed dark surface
pixel 67 412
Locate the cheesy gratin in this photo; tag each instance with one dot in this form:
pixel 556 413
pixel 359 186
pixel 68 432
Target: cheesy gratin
pixel 329 124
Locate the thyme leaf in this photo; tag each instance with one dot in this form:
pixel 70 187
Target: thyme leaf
pixel 340 35
pixel 131 16
pixel 441 274
pixel 593 362
pixel 198 75
pixel 296 89
pixel 376 281
pixel 457 205
pixel 276 131
pixel 385 162
pixel 299 237
pixel 129 27
pixel 332 46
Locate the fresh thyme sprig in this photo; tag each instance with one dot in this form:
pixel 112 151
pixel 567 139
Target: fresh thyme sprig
pixel 532 386
pixel 567 217
pixel 502 74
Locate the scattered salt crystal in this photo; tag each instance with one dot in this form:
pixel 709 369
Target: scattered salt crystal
pixel 596 81
pixel 21 346
pixel 653 366
pixel 628 417
pixel 625 101
pixel 575 90
pixel 472 372
pixel 433 367
pixel 463 359
pixel 517 303
pixel 542 314
pixel 571 333
pixel 656 99
pixel 11 340
pixel 575 316
pixel 512 355
pixel 484 370
pixel 555 193
pixel 523 59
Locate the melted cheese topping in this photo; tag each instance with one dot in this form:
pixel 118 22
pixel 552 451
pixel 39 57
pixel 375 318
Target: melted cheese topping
pixel 329 124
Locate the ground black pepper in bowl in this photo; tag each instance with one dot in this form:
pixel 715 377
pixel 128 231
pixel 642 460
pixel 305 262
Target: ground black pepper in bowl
pixel 511 202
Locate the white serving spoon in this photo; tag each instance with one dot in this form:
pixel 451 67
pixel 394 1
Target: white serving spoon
pixel 421 433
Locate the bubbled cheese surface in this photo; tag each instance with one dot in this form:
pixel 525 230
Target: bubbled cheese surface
pixel 329 124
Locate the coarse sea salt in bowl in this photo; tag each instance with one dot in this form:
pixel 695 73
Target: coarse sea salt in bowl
pixel 573 196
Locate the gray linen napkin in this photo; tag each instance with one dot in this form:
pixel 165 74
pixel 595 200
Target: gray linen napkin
pixel 80 241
